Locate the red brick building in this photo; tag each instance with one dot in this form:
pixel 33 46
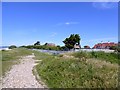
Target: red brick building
pixel 104 45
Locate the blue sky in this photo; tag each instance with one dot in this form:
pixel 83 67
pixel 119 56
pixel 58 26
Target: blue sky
pixel 25 23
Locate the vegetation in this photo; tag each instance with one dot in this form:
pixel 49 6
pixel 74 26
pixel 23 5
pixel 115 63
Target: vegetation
pixel 11 57
pixel 12 46
pixel 72 71
pixel 37 43
pixel 110 57
pixel 45 47
pixel 116 48
pixel 72 40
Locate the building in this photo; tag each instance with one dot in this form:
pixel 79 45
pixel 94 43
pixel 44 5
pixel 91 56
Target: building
pixel 86 47
pixel 104 45
pixel 76 46
pixel 50 44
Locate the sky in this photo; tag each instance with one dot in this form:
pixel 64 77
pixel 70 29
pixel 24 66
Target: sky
pixel 24 23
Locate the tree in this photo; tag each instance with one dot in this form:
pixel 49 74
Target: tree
pixel 12 46
pixel 45 43
pixel 37 43
pixel 72 40
pixel 64 48
pixel 77 38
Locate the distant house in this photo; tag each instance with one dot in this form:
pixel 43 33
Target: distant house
pixel 104 45
pixel 50 44
pixel 76 46
pixel 86 47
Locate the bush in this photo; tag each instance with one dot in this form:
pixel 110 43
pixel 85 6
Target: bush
pixel 116 48
pixel 81 55
pixel 42 47
pixel 111 57
pixel 12 46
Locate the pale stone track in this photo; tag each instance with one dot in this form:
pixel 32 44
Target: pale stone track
pixel 21 75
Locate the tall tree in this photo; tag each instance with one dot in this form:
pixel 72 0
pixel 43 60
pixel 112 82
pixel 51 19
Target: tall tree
pixel 72 40
pixel 77 38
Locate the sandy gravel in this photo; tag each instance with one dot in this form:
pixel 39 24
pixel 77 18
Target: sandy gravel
pixel 21 76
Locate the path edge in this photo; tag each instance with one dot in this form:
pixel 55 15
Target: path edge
pixel 37 77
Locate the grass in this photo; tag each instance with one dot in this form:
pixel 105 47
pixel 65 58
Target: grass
pixel 109 57
pixel 61 72
pixel 12 57
pixel 70 70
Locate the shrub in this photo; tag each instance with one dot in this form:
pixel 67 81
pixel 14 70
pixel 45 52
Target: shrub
pixel 81 55
pixel 12 46
pixel 111 57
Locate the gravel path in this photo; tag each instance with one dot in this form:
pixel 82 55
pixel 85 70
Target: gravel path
pixel 21 76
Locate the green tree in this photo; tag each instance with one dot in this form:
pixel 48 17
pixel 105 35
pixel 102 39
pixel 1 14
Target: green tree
pixel 72 40
pixel 45 43
pixel 77 37
pixel 12 46
pixel 37 43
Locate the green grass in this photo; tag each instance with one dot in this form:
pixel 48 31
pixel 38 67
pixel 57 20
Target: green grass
pixel 12 57
pixel 60 72
pixel 109 57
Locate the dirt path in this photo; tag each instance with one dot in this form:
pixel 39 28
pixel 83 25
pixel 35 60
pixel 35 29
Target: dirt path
pixel 21 76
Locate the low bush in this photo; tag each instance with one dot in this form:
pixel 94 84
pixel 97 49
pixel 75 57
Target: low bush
pixel 81 54
pixel 12 46
pixel 43 47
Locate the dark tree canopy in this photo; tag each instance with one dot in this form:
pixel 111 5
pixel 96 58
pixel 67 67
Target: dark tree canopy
pixel 37 43
pixel 45 43
pixel 12 46
pixel 72 40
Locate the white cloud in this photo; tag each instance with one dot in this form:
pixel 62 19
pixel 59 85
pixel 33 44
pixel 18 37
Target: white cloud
pixel 104 5
pixel 67 23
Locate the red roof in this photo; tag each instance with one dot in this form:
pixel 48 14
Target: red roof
pixel 104 45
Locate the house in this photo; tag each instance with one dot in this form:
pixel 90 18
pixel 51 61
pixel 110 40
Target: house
pixel 86 47
pixel 104 45
pixel 50 44
pixel 76 46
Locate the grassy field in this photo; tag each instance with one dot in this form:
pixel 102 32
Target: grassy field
pixel 70 70
pixel 11 57
pixel 78 70
pixel 109 57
